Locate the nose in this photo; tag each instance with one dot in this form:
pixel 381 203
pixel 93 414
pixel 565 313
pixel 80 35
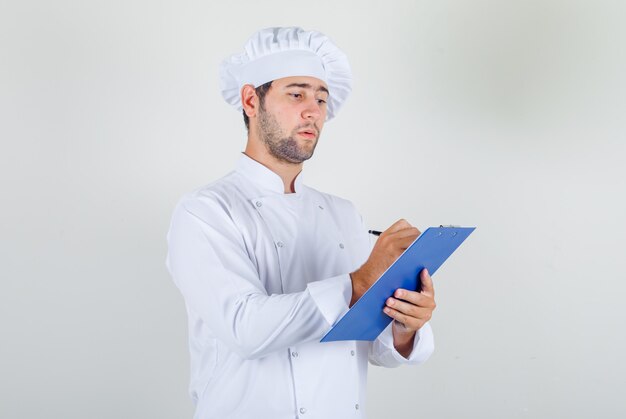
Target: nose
pixel 312 111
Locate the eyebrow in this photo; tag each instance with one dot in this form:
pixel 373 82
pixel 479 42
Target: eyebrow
pixel 308 86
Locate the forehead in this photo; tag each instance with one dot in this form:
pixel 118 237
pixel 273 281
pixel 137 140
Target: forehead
pixel 307 82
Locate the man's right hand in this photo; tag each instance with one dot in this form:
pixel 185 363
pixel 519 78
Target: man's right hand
pixel 389 246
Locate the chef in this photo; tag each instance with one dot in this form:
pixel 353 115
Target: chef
pixel 266 264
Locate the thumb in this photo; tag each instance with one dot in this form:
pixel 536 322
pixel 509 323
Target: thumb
pixel 427 283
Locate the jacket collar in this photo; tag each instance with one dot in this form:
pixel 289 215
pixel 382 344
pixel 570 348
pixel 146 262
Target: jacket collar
pixel 263 176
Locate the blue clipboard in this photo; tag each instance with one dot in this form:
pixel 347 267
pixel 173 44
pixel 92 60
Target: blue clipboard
pixel 366 320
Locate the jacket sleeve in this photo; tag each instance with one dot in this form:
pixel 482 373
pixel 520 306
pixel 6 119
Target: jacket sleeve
pixel 383 353
pixel 208 262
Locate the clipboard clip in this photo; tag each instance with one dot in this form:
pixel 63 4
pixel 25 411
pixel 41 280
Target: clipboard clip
pixel 453 234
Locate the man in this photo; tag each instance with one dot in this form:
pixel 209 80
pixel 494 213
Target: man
pixel 266 265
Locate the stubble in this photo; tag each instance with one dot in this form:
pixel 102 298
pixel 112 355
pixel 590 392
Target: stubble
pixel 284 148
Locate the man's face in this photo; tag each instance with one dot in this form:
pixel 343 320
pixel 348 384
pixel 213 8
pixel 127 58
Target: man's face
pixel 292 116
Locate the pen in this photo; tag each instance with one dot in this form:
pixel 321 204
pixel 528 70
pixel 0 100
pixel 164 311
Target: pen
pixel 375 232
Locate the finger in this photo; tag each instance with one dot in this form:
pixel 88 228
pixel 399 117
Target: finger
pixel 409 322
pixel 403 242
pixel 398 225
pixel 403 307
pixel 414 297
pixel 409 296
pixel 405 232
pixel 427 283
pixel 411 312
pixel 401 239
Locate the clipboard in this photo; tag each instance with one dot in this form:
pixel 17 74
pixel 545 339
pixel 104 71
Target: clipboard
pixel 366 320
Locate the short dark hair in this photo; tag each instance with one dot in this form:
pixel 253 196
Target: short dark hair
pixel 261 91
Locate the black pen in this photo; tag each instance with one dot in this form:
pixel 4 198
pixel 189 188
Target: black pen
pixel 375 232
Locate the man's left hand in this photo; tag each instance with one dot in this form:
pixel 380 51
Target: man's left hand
pixel 410 311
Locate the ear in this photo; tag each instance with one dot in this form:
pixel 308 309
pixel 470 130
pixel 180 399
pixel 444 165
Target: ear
pixel 249 100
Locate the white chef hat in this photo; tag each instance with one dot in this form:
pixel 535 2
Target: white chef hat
pixel 274 53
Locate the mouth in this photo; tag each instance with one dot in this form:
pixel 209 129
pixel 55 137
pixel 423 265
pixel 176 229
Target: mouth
pixel 308 133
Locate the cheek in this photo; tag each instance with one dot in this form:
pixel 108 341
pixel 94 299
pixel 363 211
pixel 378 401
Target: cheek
pixel 289 119
pixel 324 112
pixel 284 113
pixel 285 120
pixel 320 122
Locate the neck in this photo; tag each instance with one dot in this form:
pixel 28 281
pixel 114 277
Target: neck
pixel 287 171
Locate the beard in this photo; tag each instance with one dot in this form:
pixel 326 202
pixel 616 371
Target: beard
pixel 282 147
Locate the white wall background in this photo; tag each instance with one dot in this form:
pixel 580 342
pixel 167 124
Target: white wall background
pixel 504 115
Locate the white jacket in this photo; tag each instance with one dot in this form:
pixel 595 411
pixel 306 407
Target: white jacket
pixel 264 275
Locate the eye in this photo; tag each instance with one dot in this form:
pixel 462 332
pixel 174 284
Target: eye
pixel 296 95
pixel 321 101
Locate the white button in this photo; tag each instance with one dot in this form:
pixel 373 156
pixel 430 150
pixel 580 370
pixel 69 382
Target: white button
pixel 341 245
pixel 259 204
pixel 352 353
pixel 279 244
pixel 294 354
pixel 356 406
pixel 302 410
